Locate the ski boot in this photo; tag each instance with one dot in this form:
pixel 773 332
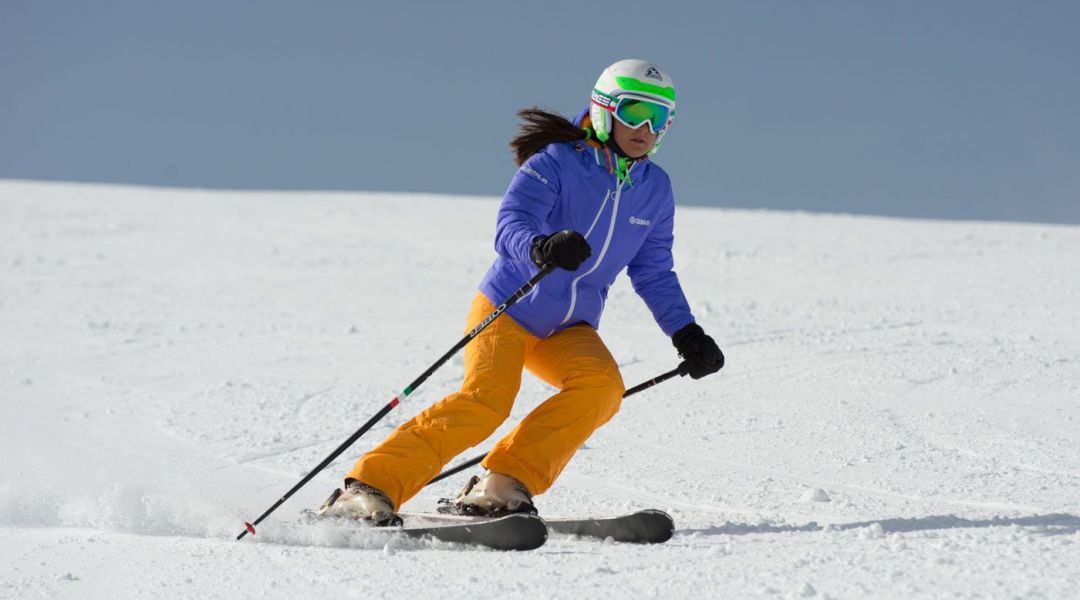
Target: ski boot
pixel 363 502
pixel 494 495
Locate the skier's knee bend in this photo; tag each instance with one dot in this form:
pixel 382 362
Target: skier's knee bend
pixel 611 381
pixel 606 388
pixel 610 396
pixel 600 380
pixel 496 399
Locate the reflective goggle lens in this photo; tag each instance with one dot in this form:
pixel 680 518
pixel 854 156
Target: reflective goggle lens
pixel 634 112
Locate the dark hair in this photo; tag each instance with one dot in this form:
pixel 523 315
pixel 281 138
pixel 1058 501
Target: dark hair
pixel 541 128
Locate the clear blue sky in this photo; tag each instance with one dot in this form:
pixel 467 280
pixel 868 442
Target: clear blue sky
pixel 943 109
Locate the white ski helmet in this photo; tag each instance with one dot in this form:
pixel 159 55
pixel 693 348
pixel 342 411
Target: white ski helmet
pixel 630 77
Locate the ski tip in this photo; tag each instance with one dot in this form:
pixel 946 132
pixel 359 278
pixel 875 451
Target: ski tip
pixel 662 523
pixel 657 513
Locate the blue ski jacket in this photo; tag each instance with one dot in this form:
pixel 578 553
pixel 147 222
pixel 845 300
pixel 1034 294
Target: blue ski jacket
pixel 628 225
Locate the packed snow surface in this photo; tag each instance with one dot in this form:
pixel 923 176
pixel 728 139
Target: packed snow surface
pixel 899 415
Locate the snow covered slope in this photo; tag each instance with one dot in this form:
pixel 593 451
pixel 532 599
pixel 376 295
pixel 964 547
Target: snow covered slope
pixel 899 417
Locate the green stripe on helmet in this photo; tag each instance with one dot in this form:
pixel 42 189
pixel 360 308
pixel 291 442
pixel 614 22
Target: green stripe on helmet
pixel 634 85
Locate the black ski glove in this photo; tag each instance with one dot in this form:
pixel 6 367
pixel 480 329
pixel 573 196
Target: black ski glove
pixel 703 356
pixel 565 249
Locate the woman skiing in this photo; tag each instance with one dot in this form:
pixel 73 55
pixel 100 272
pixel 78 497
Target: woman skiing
pixel 587 200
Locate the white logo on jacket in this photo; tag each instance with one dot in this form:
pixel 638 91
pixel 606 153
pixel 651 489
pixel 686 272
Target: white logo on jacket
pixel 636 221
pixel 531 172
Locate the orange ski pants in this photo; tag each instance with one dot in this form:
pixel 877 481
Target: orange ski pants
pixel 574 360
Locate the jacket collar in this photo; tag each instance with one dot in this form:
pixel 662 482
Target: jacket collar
pixel 615 162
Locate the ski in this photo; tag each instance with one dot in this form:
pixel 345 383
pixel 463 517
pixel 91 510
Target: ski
pixel 649 526
pixel 643 527
pixel 512 532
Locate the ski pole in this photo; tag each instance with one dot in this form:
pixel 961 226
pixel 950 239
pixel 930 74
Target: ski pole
pixel 681 370
pixel 249 527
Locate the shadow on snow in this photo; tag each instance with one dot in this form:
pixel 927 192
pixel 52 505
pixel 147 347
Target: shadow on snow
pixel 1051 524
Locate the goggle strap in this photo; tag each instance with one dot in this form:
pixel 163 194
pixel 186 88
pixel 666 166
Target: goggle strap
pixel 604 101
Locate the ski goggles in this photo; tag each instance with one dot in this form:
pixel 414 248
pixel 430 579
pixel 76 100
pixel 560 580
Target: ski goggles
pixel 634 111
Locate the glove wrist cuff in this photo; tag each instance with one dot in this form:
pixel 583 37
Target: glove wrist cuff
pixel 536 251
pixel 690 331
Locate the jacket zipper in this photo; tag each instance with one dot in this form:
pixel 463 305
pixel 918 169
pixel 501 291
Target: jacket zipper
pixel 607 195
pixel 603 250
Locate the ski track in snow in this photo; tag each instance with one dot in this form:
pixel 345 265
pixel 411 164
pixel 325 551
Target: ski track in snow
pixel 898 417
